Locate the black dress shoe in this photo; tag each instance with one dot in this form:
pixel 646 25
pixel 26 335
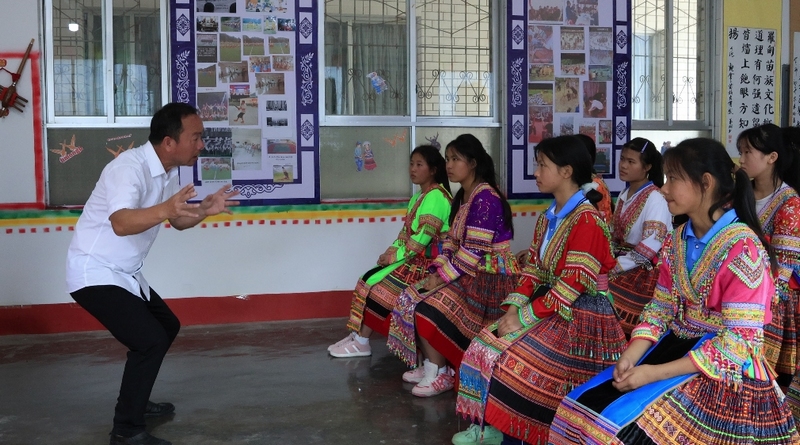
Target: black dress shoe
pixel 143 438
pixel 158 409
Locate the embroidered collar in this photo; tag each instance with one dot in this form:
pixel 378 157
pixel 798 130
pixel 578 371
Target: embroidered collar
pixel 726 219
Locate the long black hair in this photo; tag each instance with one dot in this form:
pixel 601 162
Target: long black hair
pixel 649 155
pixel 571 151
pixel 591 147
pixel 471 149
pixel 435 162
pixel 693 158
pixel 769 138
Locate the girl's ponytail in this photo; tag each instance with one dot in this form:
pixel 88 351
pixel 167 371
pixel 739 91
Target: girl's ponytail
pixel 744 202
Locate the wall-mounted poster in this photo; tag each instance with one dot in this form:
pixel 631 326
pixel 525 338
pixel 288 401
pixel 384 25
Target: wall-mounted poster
pixel 250 67
pixel 569 74
pixel 750 80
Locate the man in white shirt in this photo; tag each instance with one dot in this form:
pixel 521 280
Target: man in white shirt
pixel 135 194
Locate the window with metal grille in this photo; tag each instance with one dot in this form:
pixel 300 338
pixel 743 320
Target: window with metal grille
pixel 370 55
pixel 399 73
pixel 105 61
pixel 670 62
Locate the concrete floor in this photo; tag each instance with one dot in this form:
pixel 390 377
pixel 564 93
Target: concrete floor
pixel 255 383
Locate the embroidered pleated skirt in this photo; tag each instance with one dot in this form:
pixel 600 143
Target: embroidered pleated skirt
pixel 538 369
pixel 376 293
pixel 452 316
pixel 631 291
pixel 688 409
pixel 780 337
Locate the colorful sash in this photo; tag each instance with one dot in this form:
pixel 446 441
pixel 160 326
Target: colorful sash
pixel 402 340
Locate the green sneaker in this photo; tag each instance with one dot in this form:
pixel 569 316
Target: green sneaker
pixel 472 436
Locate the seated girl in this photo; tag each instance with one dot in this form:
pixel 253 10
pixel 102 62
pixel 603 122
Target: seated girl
pixel 694 371
pixel 560 328
pixel 775 172
pixel 467 280
pixel 640 224
pixel 406 261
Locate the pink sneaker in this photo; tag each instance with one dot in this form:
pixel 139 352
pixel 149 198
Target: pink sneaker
pixel 349 337
pixel 351 348
pixel 433 383
pixel 415 375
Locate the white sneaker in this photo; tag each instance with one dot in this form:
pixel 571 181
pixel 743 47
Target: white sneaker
pixel 433 383
pixel 415 375
pixel 349 337
pixel 351 348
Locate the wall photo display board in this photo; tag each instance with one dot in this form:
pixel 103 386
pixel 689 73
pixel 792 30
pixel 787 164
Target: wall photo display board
pixel 569 73
pixel 250 68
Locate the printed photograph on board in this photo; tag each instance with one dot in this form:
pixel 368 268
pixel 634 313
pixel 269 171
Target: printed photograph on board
pixel 572 38
pixel 253 46
pixel 251 24
pixel 594 99
pixel 586 11
pixel 215 169
pixel 566 125
pixel 246 148
pixel 573 64
pixel 567 97
pixel 545 10
pixel 230 24
pixel 283 63
pixel 540 93
pixel 283 173
pixel 243 110
pixel 207 23
pixel 541 123
pixel 230 48
pixel 230 72
pixel 217 6
pixel 217 142
pixel 260 64
pixel 212 107
pixel 540 44
pixel 270 83
pixel 270 24
pixel 541 71
pixel 279 45
pixel 206 48
pixel 605 132
pixel 601 38
pixel 600 73
pixel 207 77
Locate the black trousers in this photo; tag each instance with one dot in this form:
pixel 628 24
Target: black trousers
pixel 147 329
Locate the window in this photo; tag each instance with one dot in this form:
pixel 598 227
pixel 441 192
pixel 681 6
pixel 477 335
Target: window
pixel 368 55
pixel 105 61
pixel 671 41
pixel 395 71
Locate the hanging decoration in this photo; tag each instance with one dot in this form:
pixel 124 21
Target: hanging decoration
pixel 8 95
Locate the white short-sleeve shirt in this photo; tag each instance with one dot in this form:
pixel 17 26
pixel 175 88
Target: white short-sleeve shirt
pixel 96 256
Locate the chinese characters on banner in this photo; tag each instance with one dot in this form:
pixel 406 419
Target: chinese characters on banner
pixel 751 80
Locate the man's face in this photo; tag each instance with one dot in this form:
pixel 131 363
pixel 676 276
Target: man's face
pixel 190 141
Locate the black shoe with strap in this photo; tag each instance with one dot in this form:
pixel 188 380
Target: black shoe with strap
pixel 158 409
pixel 143 438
